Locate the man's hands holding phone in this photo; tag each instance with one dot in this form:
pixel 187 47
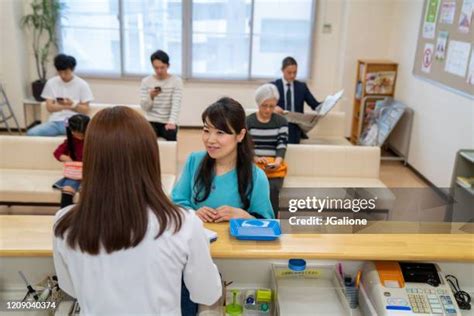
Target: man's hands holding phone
pixel 154 92
pixel 65 102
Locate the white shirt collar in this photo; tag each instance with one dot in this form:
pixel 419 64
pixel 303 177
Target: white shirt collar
pixel 286 82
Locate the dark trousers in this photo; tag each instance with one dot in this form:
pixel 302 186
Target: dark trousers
pixel 275 187
pixel 294 134
pixel 188 307
pixel 161 131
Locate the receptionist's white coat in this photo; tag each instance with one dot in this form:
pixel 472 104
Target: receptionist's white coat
pixel 141 280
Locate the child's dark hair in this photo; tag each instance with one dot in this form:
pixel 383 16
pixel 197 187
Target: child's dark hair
pixel 229 116
pixel 76 123
pixel 161 56
pixel 63 62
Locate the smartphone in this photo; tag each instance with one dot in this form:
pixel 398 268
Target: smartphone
pixel 60 99
pixel 270 166
pixel 158 89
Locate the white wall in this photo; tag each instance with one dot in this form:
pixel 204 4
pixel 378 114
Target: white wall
pixel 443 120
pixel 366 35
pixel 13 59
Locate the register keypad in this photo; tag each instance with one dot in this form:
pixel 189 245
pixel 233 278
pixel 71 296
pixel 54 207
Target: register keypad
pixel 430 301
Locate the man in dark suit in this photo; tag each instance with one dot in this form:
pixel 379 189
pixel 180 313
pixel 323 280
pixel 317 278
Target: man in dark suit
pixel 293 95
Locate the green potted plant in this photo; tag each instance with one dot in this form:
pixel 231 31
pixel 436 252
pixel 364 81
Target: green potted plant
pixel 42 22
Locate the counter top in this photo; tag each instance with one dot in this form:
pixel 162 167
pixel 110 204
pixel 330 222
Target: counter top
pixel 31 236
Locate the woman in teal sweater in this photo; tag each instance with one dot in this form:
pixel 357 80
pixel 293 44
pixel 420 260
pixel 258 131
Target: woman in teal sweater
pixel 223 182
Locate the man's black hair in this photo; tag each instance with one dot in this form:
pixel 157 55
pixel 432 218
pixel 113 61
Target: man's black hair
pixel 288 61
pixel 161 56
pixel 63 62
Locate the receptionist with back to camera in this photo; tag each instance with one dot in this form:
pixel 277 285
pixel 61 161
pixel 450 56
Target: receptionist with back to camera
pixel 125 248
pixel 293 95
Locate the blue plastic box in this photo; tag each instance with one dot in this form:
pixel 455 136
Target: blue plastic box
pixel 254 229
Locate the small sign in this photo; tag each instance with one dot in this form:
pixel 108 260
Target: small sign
pixel 427 58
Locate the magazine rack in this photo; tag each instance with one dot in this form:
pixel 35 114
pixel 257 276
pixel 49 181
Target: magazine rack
pixel 387 123
pixel 374 78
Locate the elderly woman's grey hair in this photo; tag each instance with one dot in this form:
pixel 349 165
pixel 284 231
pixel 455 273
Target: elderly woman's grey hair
pixel 265 92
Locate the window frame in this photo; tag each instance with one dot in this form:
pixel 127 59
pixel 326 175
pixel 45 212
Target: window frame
pixel 186 56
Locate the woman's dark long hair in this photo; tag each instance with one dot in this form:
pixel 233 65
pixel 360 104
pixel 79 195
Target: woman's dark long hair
pixel 76 123
pixel 121 183
pixel 228 116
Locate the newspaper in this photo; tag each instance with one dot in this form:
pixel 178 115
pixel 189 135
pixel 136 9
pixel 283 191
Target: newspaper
pixel 307 121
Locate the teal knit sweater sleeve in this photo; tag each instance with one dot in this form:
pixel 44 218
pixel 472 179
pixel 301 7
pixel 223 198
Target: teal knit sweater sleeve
pixel 260 197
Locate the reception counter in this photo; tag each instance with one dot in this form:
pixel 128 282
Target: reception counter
pixel 31 236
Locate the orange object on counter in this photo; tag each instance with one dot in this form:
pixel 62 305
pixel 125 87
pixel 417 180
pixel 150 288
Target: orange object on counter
pixel 390 274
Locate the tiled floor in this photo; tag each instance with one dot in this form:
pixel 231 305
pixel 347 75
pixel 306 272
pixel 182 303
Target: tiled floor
pixel 395 175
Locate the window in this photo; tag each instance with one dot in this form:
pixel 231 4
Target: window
pixel 149 25
pixel 280 29
pixel 221 39
pixel 90 31
pixel 210 39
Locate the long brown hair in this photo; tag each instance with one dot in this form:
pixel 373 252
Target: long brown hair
pixel 227 115
pixel 121 182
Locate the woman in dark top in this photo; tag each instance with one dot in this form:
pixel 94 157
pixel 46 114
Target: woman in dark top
pixel 269 132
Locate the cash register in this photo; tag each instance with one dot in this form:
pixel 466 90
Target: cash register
pixel 405 288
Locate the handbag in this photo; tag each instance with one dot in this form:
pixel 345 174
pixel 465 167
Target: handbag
pixel 279 172
pixel 73 170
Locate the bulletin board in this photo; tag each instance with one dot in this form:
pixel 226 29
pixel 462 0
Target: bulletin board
pixel 445 48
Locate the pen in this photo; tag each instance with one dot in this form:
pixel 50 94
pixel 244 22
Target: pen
pixel 28 286
pixel 339 268
pixel 357 280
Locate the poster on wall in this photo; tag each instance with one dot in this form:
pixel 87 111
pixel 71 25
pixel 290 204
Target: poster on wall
pixel 465 19
pixel 431 15
pixel 470 73
pixel 457 58
pixel 441 45
pixel 448 9
pixel 427 58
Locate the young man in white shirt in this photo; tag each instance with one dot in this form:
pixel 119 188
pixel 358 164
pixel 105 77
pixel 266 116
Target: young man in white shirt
pixel 160 97
pixel 66 94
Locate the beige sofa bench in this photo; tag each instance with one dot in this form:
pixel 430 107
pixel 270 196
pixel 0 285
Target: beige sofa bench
pixel 326 166
pixel 93 109
pixel 328 131
pixel 334 171
pixel 28 169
